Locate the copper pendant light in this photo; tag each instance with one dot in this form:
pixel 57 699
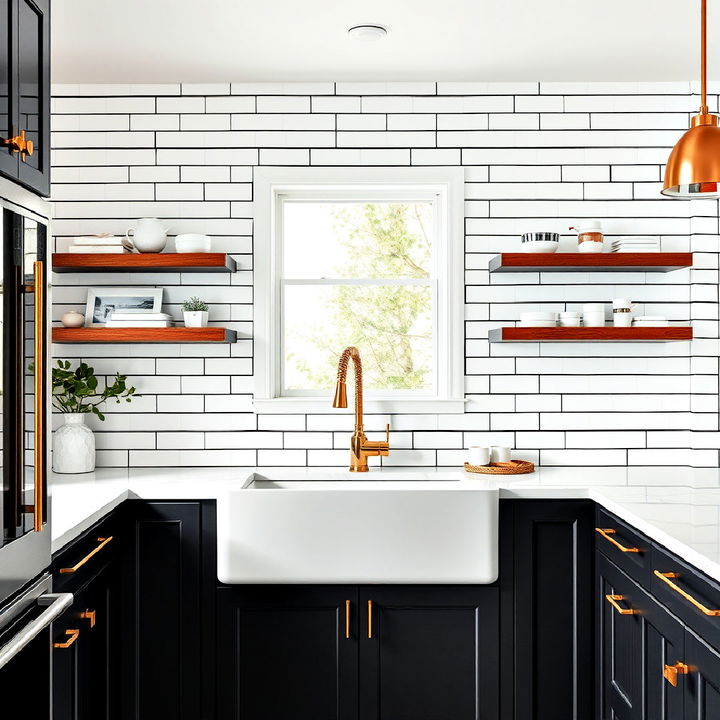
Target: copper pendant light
pixel 693 168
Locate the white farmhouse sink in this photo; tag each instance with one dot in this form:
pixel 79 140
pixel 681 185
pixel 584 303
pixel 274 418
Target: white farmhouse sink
pixel 338 528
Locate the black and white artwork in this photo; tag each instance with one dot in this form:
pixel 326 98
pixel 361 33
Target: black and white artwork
pixel 102 302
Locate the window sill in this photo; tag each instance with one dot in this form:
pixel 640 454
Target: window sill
pixel 314 405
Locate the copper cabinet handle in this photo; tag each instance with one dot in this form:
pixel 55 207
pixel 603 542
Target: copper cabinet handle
pixel 615 601
pixel 347 619
pixel 370 608
pixel 72 636
pixel 90 615
pixel 607 532
pixel 103 542
pixel 20 144
pixel 37 508
pixel 671 672
pixel 668 578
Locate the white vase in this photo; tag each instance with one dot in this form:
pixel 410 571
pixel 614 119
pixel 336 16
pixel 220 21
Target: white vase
pixel 195 318
pixel 73 446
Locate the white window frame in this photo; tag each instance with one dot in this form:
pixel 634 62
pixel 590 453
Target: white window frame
pixel 446 184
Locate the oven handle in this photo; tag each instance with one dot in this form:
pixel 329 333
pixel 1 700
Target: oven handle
pixel 58 603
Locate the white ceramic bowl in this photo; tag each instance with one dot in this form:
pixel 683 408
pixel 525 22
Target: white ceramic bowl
pixel 570 322
pixel 540 246
pixel 538 323
pixel 538 316
pixel 192 243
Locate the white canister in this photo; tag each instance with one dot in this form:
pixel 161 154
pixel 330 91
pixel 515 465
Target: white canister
pixel 479 455
pixel 594 315
pixel 622 312
pixel 498 453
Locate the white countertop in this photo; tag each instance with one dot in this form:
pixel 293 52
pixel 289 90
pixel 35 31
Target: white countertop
pixel 677 507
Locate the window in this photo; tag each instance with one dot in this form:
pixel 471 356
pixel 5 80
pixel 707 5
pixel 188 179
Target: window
pixel 365 257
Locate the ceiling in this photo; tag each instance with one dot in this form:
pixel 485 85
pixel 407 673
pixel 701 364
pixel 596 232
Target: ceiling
pixel 135 41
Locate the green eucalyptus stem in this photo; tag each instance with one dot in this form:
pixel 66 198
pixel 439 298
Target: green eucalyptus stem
pixel 76 391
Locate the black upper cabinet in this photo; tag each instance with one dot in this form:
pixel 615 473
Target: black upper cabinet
pixel 287 653
pixel 429 653
pixel 25 92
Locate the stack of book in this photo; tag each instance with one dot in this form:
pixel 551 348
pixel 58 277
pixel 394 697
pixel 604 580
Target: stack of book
pixel 100 244
pixel 138 320
pixel 636 244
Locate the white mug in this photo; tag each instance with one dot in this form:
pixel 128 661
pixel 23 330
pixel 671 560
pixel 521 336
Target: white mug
pixel 479 455
pixel 498 453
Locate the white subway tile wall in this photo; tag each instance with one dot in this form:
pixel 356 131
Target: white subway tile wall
pixel 536 156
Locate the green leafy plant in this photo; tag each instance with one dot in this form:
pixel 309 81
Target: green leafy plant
pixel 195 304
pixel 76 391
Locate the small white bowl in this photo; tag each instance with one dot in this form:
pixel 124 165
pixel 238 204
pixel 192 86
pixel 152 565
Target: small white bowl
pixel 570 322
pixel 538 316
pixel 540 246
pixel 192 243
pixel 538 323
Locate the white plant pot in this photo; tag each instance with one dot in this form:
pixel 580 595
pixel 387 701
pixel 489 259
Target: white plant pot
pixel 73 446
pixel 196 318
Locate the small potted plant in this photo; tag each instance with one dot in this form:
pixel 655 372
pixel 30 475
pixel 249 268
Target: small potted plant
pixel 75 394
pixel 195 312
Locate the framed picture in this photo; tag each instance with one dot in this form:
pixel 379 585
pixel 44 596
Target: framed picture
pixel 102 301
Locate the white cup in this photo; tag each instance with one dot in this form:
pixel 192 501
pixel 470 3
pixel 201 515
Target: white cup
pixel 498 453
pixel 479 455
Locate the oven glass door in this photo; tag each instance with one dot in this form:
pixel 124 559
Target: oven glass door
pixel 24 505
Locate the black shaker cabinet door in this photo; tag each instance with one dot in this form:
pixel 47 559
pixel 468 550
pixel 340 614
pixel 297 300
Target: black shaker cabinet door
pixel 287 653
pixel 553 586
pixel 8 86
pixel 33 41
pixel 702 693
pixel 162 607
pixel 620 638
pixel 429 653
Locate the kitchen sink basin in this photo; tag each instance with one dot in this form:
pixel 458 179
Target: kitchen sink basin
pixel 382 527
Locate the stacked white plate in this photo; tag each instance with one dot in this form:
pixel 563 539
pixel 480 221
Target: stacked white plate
pixel 650 321
pixel 570 319
pixel 538 319
pixel 636 244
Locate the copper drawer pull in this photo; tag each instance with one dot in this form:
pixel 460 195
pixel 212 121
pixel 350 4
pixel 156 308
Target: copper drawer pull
pixel 103 542
pixel 615 600
pixel 668 578
pixel 90 615
pixel 607 532
pixel 671 672
pixel 370 606
pixel 72 636
pixel 347 619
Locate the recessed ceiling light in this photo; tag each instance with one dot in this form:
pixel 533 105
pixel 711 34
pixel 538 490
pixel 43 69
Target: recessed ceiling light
pixel 368 33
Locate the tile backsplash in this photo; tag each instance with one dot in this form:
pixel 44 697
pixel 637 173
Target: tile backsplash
pixel 536 156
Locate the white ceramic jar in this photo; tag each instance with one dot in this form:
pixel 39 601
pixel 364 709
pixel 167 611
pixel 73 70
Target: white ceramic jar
pixel 72 319
pixel 150 235
pixel 479 455
pixel 594 315
pixel 73 446
pixel 622 313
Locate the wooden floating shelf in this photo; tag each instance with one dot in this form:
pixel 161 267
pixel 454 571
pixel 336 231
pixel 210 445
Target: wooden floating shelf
pixel 143 262
pixel 143 335
pixel 590 262
pixel 591 334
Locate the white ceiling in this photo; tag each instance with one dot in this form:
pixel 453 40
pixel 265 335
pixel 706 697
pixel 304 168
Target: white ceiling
pixel 134 41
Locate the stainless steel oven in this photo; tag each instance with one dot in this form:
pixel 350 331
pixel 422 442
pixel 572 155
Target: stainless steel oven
pixel 25 539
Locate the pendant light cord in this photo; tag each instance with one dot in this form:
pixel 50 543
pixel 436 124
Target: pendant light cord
pixel 703 58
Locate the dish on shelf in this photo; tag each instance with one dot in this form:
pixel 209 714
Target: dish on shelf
pixel 527 316
pixel 540 242
pixel 538 323
pixel 192 243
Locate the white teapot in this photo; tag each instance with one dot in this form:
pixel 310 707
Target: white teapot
pixel 150 235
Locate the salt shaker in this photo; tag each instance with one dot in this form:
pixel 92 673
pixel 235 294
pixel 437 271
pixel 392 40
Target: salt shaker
pixel 622 312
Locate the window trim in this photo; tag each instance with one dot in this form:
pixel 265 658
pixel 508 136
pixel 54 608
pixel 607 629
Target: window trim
pixel 270 182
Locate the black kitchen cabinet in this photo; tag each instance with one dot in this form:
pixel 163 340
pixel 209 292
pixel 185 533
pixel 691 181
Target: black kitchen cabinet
pixel 553 609
pixel 164 611
pixel 86 651
pixel 25 92
pixel 702 683
pixel 429 653
pixel 347 652
pixel 287 653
